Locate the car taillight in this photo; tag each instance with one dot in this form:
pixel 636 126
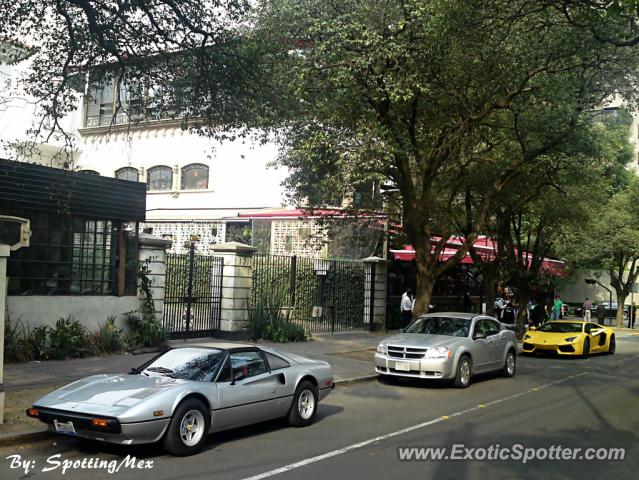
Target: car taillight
pixel 99 422
pixel 33 412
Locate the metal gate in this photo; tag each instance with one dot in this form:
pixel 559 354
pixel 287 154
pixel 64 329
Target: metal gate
pixel 321 295
pixel 193 294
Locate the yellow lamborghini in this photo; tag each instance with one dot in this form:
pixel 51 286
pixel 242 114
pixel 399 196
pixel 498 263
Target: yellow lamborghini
pixel 570 337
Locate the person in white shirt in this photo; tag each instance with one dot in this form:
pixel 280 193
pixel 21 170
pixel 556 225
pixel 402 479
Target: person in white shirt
pixel 406 306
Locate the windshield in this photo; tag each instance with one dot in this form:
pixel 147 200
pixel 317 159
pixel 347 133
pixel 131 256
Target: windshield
pixel 453 327
pixel 558 327
pixel 199 364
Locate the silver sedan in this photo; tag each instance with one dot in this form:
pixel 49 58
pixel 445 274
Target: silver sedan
pixel 448 346
pixel 183 394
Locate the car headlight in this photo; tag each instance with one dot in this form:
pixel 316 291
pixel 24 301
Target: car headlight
pixel 383 349
pixel 527 337
pixel 439 352
pixel 570 339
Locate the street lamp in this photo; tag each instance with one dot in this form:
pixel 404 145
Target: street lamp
pixel 592 281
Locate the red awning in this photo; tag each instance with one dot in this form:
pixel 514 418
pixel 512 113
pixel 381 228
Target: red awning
pixel 485 247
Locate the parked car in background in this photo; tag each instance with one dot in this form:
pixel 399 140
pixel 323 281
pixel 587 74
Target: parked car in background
pixel 448 345
pixel 182 395
pixel 569 337
pixel 611 310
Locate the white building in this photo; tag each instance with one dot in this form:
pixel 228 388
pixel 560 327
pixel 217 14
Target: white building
pixel 198 188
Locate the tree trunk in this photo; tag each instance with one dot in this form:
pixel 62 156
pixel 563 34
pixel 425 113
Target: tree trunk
pixel 520 322
pixel 621 300
pixel 491 279
pixel 425 281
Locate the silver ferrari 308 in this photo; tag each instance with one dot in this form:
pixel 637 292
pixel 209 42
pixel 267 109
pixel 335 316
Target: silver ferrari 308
pixel 185 393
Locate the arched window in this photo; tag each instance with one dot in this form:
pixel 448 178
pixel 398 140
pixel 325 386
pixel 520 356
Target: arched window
pixel 159 178
pixel 195 177
pixel 127 173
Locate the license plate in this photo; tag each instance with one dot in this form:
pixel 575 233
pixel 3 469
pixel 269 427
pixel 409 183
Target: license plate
pixel 64 427
pixel 403 366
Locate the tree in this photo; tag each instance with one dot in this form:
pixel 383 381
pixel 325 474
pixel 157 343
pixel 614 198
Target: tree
pixel 613 242
pixel 191 54
pixel 428 96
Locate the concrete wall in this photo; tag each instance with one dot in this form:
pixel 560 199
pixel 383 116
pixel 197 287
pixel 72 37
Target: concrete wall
pixel 91 311
pixel 576 289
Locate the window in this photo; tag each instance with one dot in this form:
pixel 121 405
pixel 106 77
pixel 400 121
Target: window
pixel 242 365
pixel 100 102
pixel 127 173
pixel 195 177
pixel 195 364
pixel 160 178
pixel 276 362
pixel 88 172
pixel 70 255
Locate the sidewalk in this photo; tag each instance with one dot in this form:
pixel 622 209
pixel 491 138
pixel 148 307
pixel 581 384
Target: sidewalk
pixel 350 355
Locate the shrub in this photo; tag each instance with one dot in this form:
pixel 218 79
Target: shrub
pixel 266 320
pixel 15 340
pixel 36 342
pixel 67 339
pixel 108 338
pixel 145 330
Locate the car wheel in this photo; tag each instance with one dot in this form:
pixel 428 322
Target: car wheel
pixel 188 429
pixel 304 407
pixel 510 366
pixel 464 370
pixel 586 349
pixel 612 345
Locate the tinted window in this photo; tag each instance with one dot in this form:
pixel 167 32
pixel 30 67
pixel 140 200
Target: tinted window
pixel 276 362
pixel 453 327
pixel 242 365
pixel 561 327
pixel 492 327
pixel 197 364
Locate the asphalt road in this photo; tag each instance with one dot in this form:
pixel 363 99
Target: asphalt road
pixel 569 402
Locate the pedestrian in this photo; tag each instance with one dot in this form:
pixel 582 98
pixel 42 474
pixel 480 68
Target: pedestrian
pixel 508 315
pixel 406 307
pixel 537 313
pixel 500 305
pixel 587 307
pixel 468 303
pixel 557 307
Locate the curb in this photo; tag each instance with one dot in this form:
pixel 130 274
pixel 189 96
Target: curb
pixel 362 378
pixel 24 436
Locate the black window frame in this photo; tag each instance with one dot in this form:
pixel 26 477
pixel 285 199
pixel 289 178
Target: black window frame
pixel 128 169
pixel 184 171
pixel 158 168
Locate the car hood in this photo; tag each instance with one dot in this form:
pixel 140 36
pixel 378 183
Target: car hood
pixel 112 390
pixel 422 340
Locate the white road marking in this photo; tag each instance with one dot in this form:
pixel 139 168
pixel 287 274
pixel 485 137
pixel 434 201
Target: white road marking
pixel 355 446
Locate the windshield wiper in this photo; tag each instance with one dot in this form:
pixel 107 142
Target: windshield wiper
pixel 164 371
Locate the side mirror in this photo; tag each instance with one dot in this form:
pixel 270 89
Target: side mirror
pixel 479 335
pixel 401 330
pixel 596 331
pixel 533 328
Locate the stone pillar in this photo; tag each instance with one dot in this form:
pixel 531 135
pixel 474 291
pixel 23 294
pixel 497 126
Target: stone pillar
pixel 4 254
pixel 237 281
pixel 375 293
pixel 154 249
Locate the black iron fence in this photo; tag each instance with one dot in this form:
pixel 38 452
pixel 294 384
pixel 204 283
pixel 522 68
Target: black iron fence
pixel 193 294
pixel 321 295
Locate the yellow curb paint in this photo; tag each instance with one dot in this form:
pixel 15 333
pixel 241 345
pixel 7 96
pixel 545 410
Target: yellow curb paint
pixel 445 417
